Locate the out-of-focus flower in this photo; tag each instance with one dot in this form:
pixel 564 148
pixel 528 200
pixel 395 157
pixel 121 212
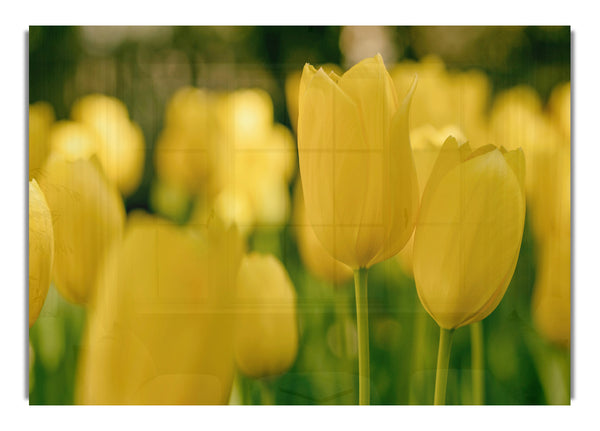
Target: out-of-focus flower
pixel 225 150
pixel 426 143
pixel 469 232
pixel 318 261
pixel 41 117
pixel 266 334
pixel 257 160
pixel 185 153
pixel 160 328
pixel 550 211
pixel 560 108
pixel 358 175
pixel 446 98
pixel 292 89
pixel 551 303
pixel 518 121
pixel 41 250
pixel 87 216
pixel 120 141
pixel 73 140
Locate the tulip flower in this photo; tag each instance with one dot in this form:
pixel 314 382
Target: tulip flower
pixel 120 142
pixel 358 176
pixel 266 334
pixel 87 215
pixel 318 261
pixel 160 326
pixel 41 250
pixel 468 237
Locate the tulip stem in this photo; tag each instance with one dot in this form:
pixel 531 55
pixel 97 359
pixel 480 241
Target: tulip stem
pixel 362 323
pixel 477 361
pixel 441 376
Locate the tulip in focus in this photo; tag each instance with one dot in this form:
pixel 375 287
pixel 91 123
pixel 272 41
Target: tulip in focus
pixel 318 261
pixel 266 334
pixel 41 250
pixel 88 217
pixel 469 232
pixel 160 328
pixel 426 143
pixel 358 176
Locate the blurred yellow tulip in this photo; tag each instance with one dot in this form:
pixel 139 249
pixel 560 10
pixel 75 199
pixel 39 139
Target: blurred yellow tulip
pixel 358 175
pixel 41 250
pixel 87 215
pixel 469 232
pixel 560 108
pixel 266 334
pixel 73 140
pixel 318 261
pixel 551 302
pixel 120 148
pixel 41 117
pixel 160 328
pixel 186 150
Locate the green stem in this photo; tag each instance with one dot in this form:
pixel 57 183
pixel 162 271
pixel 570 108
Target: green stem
pixel 477 361
pixel 362 323
pixel 441 376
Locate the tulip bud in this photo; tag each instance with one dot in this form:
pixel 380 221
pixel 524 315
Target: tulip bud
pixel 266 336
pixel 469 232
pixel 87 215
pixel 41 250
pixel 358 176
pixel 160 326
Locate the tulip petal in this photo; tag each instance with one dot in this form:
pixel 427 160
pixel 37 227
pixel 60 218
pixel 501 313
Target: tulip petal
pixel 369 84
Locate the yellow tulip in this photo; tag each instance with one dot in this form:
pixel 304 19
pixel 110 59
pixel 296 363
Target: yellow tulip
pixel 358 176
pixel 160 328
pixel 426 144
pixel 87 215
pixel 73 140
pixel 120 142
pixel 469 232
pixel 292 85
pixel 560 108
pixel 41 117
pixel 41 250
pixel 313 255
pixel 266 334
pixel 551 303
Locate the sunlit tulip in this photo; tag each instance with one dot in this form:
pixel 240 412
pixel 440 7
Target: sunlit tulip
pixel 41 117
pixel 560 108
pixel 160 329
pixel 358 176
pixel 41 250
pixel 121 142
pixel 469 232
pixel 87 215
pixel 316 259
pixel 266 334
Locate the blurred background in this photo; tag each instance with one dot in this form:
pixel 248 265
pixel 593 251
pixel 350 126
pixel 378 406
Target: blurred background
pixel 160 73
